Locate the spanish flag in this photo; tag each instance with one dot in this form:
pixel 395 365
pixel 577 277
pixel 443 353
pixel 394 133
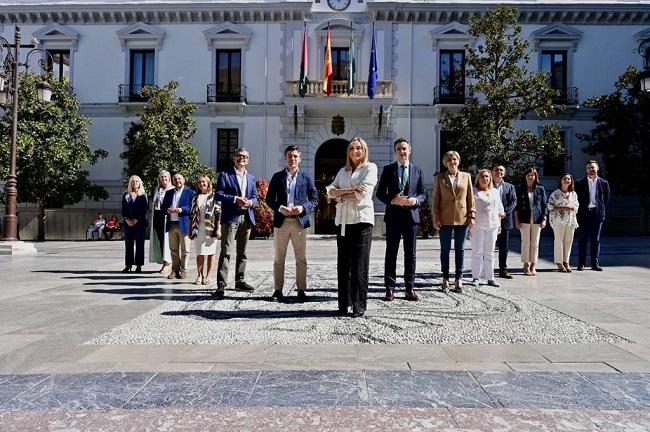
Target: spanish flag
pixel 327 71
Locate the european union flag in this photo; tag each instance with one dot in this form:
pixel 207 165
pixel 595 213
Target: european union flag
pixel 372 70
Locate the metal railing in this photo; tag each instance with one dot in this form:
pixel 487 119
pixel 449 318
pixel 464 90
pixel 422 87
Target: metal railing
pixel 340 89
pixel 226 93
pixel 567 96
pixel 131 92
pixel 449 95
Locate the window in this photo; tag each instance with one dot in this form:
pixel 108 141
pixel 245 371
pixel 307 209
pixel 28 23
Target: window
pixel 227 143
pixel 59 63
pixel 452 76
pixel 142 71
pixel 554 166
pixel 228 81
pixel 555 63
pixel 340 59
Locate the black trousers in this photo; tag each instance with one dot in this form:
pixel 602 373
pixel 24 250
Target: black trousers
pixel 503 240
pixel 134 236
pixel 352 265
pixel 159 229
pixel 589 229
pixel 394 233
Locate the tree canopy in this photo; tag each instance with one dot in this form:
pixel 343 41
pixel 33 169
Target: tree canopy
pixel 161 138
pixel 501 92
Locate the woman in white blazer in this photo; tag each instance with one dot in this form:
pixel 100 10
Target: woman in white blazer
pixel 355 217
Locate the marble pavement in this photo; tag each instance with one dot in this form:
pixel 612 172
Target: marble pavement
pixel 85 347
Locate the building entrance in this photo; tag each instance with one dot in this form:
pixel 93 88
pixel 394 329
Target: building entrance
pixel 330 158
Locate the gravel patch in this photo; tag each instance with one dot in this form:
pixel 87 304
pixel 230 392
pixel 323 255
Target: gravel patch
pixel 482 315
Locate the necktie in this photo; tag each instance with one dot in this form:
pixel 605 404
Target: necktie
pixel 404 178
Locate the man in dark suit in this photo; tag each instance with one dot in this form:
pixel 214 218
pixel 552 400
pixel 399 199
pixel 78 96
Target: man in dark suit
pixel 177 205
pixel 509 201
pixel 593 196
pixel 401 188
pixel 292 195
pixel 238 195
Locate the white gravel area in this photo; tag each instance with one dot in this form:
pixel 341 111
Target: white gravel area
pixel 482 315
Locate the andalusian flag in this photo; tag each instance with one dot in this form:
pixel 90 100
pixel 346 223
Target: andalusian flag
pixel 372 69
pixel 304 66
pixel 351 64
pixel 327 70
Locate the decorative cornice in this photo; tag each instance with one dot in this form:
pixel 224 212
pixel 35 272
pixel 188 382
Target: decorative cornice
pixel 228 35
pixel 557 33
pixel 140 32
pixel 57 34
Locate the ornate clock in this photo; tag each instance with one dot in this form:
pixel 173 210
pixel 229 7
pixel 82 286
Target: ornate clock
pixel 339 5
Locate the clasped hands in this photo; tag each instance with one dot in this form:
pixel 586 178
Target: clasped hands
pixel 291 211
pixel 347 194
pixel 243 202
pixel 404 201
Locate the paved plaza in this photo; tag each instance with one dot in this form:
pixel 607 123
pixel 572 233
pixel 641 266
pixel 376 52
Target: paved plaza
pixel 84 347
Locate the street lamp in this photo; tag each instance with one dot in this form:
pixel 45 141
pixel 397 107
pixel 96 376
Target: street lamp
pixel 9 88
pixel 644 76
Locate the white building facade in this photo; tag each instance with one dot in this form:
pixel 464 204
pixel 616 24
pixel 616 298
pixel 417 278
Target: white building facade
pixel 239 61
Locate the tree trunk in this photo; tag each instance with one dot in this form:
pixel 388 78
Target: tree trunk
pixel 41 221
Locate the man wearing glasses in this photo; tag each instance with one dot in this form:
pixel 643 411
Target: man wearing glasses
pixel 238 195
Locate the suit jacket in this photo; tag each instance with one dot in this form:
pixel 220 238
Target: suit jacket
pixel 184 203
pixel 389 187
pixel 306 195
pixel 453 207
pixel 602 198
pixel 136 209
pixel 228 189
pixel 523 208
pixel 509 201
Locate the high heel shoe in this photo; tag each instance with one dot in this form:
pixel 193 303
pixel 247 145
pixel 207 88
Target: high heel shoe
pixel 532 270
pixel 164 269
pixel 126 269
pixel 138 269
pixel 199 280
pixel 560 268
pixel 567 267
pixel 527 270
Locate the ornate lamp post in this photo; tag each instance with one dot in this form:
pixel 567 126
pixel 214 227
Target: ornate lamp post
pixel 9 90
pixel 644 77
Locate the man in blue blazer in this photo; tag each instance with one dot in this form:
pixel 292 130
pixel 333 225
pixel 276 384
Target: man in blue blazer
pixel 401 188
pixel 292 195
pixel 238 195
pixel 593 196
pixel 509 201
pixel 177 205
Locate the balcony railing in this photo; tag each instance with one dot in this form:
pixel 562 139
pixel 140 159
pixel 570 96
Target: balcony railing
pixel 449 95
pixel 340 89
pixel 131 93
pixel 567 96
pixel 225 93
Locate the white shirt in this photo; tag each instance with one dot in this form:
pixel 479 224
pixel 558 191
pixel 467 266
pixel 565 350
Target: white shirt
pixel 177 198
pixel 592 191
pixel 291 188
pixel 488 207
pixel 454 181
pixel 361 210
pixel 243 183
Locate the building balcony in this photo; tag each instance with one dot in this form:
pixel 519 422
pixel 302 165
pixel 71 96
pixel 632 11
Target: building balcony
pixel 224 93
pixel 131 93
pixel 567 96
pixel 445 95
pixel 340 89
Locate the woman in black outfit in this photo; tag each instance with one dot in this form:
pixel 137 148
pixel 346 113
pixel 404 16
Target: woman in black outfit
pixel 134 212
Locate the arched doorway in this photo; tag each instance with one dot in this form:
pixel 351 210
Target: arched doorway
pixel 330 157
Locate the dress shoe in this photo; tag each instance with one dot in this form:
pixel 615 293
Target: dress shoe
pixel 596 267
pixel 458 286
pixel 172 275
pixel 277 296
pixel 302 297
pixel 580 267
pixel 138 269
pixel 475 282
pixel 357 314
pixel 389 296
pixel 218 294
pixel 243 286
pixel 493 283
pixel 445 286
pixel 412 296
pixel 126 269
pixel 181 275
pixel 341 313
pixel 503 273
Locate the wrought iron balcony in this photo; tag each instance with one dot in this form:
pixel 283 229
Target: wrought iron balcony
pixel 449 95
pixel 567 96
pixel 225 93
pixel 131 93
pixel 340 89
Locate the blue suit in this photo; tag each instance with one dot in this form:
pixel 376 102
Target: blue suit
pixel 400 221
pixel 185 203
pixel 509 201
pixel 306 195
pixel 228 189
pixel 590 221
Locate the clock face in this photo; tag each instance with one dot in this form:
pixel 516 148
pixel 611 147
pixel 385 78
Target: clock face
pixel 339 5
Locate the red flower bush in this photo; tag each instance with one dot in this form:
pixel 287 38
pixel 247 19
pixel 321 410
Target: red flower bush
pixel 263 213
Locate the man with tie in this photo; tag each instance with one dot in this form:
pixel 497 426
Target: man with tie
pixel 292 195
pixel 177 205
pixel 593 196
pixel 401 188
pixel 509 200
pixel 238 195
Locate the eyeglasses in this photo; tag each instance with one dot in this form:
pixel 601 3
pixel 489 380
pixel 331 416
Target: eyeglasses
pixel 241 156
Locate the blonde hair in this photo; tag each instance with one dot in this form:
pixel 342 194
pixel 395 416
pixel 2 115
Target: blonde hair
pixel 140 190
pixel 198 188
pixel 161 173
pixel 349 165
pixel 478 176
pixel 448 156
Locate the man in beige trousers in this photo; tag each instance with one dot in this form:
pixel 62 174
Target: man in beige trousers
pixel 292 195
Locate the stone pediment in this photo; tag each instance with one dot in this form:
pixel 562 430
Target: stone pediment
pixel 228 35
pixel 141 32
pixel 57 34
pixel 557 33
pixel 453 32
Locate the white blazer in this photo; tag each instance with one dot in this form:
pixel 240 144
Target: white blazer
pixel 361 210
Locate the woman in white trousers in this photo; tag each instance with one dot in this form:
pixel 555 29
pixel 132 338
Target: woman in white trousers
pixel 563 208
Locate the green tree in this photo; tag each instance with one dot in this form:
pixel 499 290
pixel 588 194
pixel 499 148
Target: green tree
pixel 161 139
pixel 622 137
pixel 502 91
pixel 52 150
